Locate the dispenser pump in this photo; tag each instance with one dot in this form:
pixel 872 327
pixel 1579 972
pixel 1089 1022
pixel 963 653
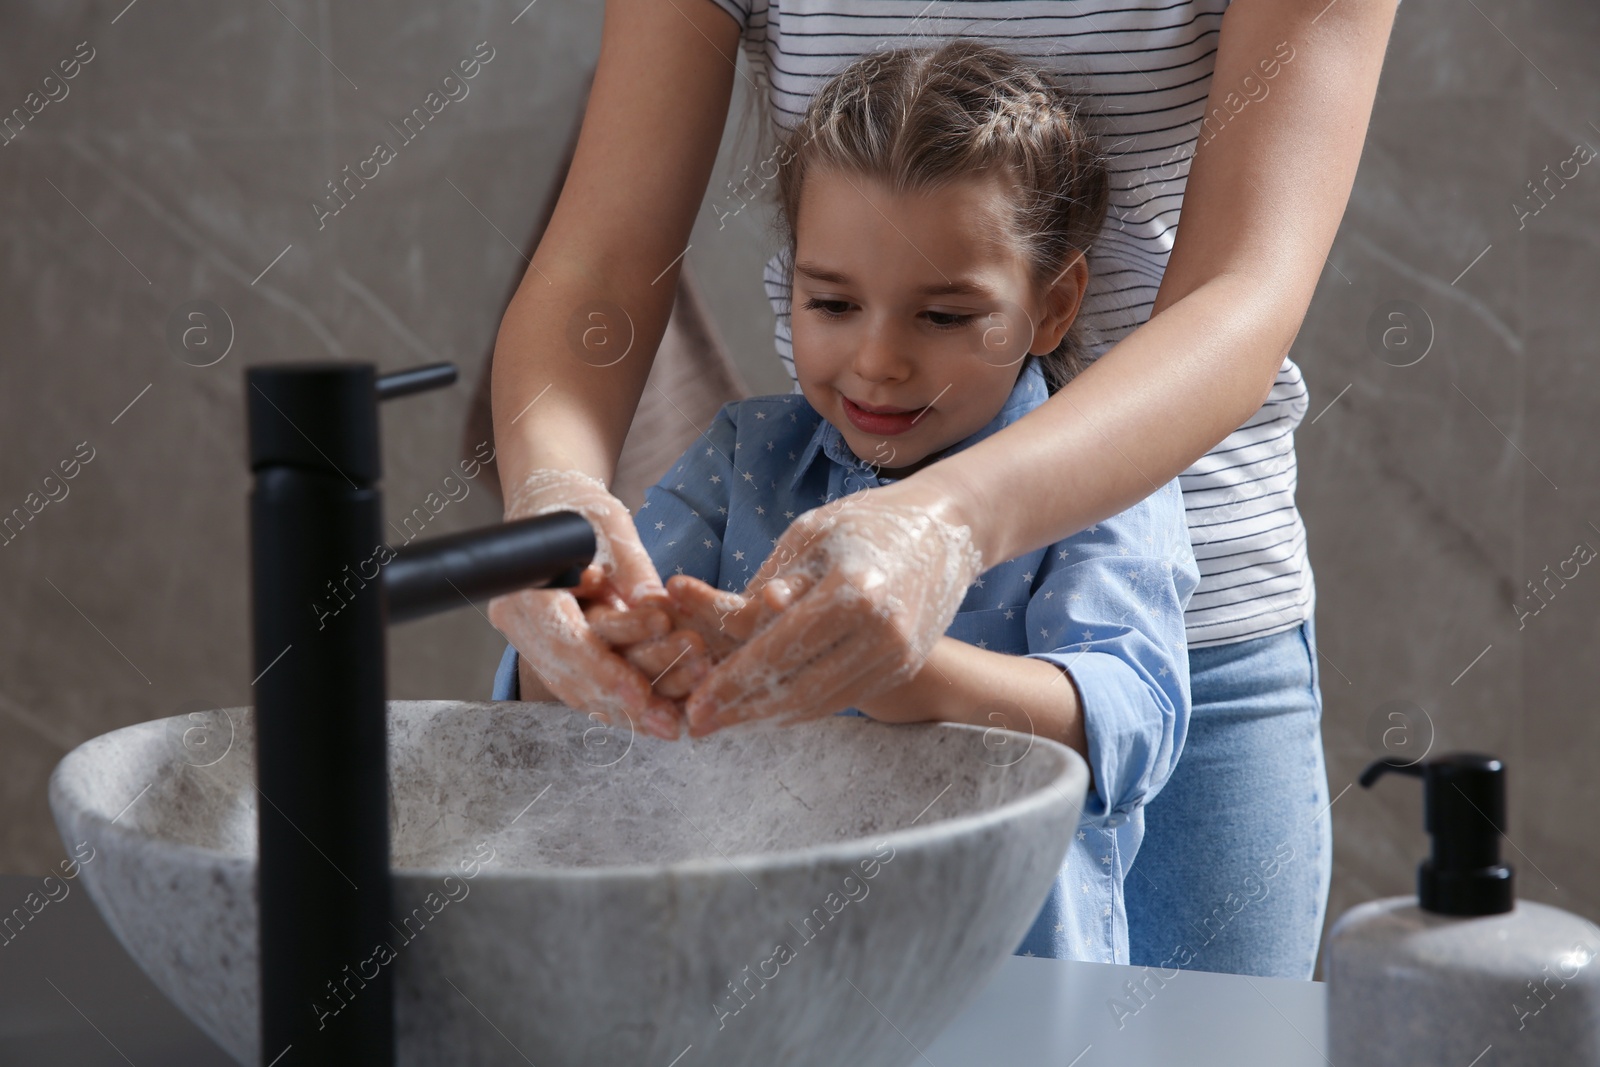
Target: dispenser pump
pixel 1464 809
pixel 1428 979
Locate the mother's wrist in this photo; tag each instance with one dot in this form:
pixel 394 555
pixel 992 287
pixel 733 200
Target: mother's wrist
pixel 542 480
pixel 943 491
pixel 560 444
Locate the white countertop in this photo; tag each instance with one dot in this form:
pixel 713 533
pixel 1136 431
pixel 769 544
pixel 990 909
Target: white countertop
pixel 1060 1013
pixel 69 994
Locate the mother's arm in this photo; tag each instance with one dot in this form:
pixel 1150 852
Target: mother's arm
pixel 644 156
pixel 606 264
pixel 1264 199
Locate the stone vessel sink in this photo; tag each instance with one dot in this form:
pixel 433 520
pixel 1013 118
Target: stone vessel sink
pixel 571 893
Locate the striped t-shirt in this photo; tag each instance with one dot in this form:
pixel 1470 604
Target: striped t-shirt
pixel 1145 69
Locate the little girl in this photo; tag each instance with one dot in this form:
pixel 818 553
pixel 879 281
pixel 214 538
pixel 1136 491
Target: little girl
pixel 938 205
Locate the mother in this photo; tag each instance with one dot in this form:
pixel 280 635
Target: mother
pixel 1254 114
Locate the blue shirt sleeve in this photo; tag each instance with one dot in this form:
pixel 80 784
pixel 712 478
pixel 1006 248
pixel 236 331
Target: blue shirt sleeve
pixel 1108 607
pixel 684 517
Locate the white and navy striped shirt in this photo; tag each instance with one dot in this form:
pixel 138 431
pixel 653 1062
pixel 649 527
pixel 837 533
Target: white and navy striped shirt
pixel 1145 67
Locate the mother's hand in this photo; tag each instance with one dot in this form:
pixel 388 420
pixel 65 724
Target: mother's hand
pixel 548 626
pixel 852 599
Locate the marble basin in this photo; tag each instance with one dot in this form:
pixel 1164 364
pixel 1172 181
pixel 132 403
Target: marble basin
pixel 826 893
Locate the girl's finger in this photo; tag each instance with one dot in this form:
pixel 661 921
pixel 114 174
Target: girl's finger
pixel 663 720
pixel 622 626
pixel 660 654
pixel 680 679
pixel 592 583
pixel 724 620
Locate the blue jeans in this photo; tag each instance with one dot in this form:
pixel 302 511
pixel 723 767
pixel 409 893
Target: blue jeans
pixel 1233 872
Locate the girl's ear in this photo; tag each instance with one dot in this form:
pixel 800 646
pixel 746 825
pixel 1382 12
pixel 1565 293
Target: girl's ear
pixel 1061 301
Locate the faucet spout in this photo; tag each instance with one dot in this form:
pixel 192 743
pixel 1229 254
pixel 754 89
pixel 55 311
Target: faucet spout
pixel 445 572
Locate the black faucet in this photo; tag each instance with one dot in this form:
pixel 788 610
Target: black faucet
pixel 324 587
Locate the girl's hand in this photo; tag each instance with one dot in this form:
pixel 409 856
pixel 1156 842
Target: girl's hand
pixel 675 663
pixel 548 626
pixel 724 621
pixel 677 643
pixel 674 643
pixel 854 596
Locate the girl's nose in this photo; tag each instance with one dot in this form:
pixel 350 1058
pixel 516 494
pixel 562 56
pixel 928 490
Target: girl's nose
pixel 881 355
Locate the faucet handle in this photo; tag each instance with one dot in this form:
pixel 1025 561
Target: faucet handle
pixel 416 380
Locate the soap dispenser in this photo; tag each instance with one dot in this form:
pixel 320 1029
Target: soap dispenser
pixel 1463 973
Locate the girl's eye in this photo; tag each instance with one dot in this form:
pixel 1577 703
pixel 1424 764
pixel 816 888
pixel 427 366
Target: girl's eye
pixel 829 309
pixel 949 320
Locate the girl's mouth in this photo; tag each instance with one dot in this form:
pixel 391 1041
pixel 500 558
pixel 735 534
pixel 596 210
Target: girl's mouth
pixel 878 422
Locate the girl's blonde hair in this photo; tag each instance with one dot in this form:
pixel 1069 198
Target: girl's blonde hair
pixel 916 118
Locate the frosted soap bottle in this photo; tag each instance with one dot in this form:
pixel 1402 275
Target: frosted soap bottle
pixel 1463 974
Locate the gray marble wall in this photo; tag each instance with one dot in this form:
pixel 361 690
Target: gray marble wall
pixel 180 164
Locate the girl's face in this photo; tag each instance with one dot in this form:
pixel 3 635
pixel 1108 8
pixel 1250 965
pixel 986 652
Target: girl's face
pixel 912 313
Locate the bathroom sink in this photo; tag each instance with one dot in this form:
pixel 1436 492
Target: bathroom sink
pixel 572 893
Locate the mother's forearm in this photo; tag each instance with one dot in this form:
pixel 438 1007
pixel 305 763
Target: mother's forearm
pixel 652 123
pixel 559 399
pixel 1262 203
pixel 1142 413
